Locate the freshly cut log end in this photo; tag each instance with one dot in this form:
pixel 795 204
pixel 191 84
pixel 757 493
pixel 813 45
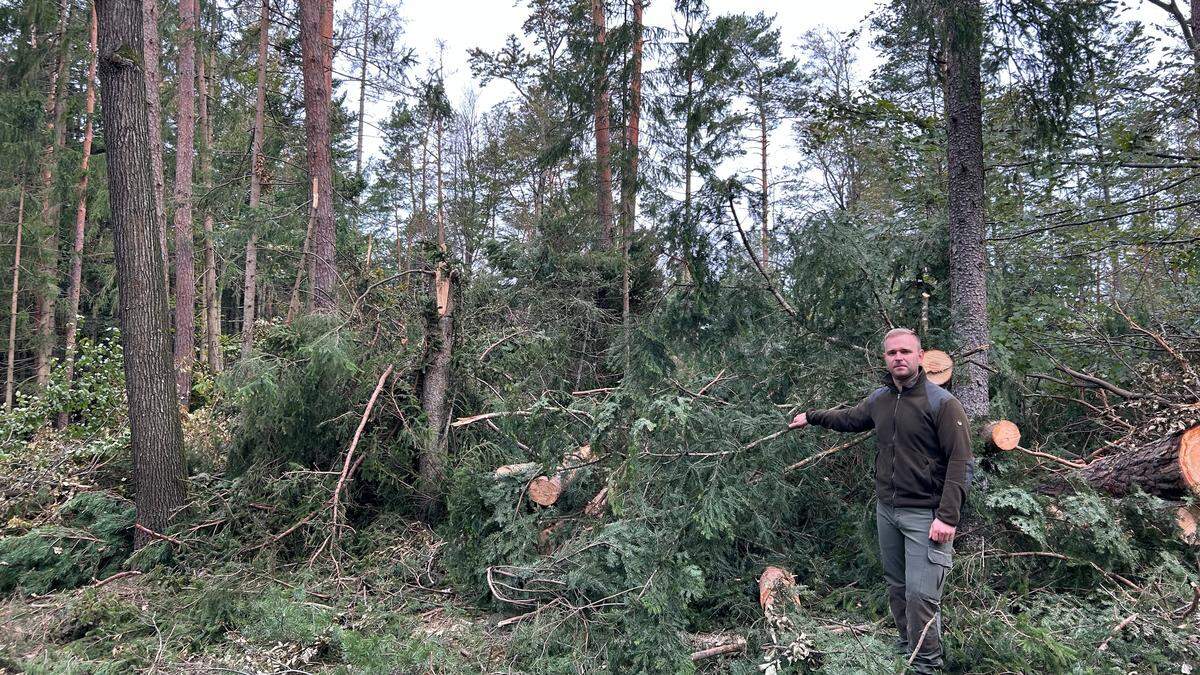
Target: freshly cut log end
pixel 1167 468
pixel 1189 458
pixel 545 490
pixel 1001 435
pixel 939 367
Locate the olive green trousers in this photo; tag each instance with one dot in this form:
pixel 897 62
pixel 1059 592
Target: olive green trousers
pixel 915 568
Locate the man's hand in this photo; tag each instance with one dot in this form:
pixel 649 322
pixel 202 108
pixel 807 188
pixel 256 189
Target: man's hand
pixel 799 421
pixel 941 532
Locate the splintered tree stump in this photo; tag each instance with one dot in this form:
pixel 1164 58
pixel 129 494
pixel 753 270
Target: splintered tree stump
pixel 597 505
pixel 1168 468
pixel 545 490
pixel 776 587
pixel 524 469
pixel 1001 435
pixel 777 594
pixel 939 367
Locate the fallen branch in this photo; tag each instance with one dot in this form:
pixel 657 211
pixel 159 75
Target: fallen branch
pixel 825 453
pixel 1120 627
pixel 735 646
pixel 346 470
pixel 157 535
pixel 464 421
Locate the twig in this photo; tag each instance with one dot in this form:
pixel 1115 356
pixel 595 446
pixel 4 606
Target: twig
pixel 157 535
pixel 501 341
pixel 921 641
pixel 463 421
pixel 1058 556
pixel 764 439
pixel 1121 626
pixel 118 575
pixel 1053 458
pixel 335 500
pixel 1092 379
pixel 753 258
pixel 824 453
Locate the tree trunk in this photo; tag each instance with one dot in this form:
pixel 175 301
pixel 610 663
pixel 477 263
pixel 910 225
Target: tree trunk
pixel 153 104
pixel 315 25
pixel 76 278
pixel 294 298
pixel 46 284
pixel 362 85
pixel 968 254
pixel 185 257
pixel 629 178
pixel 764 205
pixel 256 170
pixel 1168 468
pixel 155 433
pixel 12 309
pixel 604 202
pixel 435 390
pixel 212 311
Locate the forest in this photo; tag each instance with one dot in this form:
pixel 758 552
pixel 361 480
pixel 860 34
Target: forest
pixel 314 365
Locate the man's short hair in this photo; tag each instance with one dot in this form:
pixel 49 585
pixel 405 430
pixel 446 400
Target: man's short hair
pixel 901 331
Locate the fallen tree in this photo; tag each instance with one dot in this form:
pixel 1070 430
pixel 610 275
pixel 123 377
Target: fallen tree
pixel 1168 467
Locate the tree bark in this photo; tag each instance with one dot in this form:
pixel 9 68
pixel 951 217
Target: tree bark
pixel 765 201
pixel 435 390
pixel 604 201
pixel 76 276
pixel 256 171
pixel 362 85
pixel 212 310
pixel 155 433
pixel 316 50
pixel 185 257
pixel 12 309
pixel 1168 468
pixel 46 284
pixel 154 121
pixel 963 29
pixel 629 178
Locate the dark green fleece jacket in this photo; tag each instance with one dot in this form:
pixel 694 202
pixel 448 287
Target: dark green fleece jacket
pixel 923 444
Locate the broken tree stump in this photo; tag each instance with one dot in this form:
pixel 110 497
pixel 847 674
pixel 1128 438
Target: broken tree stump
pixel 1000 435
pixel 1167 468
pixel 778 596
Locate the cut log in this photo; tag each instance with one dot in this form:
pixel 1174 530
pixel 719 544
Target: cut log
pixel 1168 468
pixel 939 367
pixel 1000 435
pixel 545 490
pixel 776 588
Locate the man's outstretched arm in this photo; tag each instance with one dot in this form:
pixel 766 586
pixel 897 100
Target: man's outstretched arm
pixel 857 418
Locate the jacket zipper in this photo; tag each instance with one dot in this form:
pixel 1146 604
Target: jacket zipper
pixel 895 412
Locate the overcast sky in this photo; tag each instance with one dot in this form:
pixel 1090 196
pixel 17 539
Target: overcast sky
pixel 465 24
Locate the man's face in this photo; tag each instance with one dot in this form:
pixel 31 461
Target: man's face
pixel 902 353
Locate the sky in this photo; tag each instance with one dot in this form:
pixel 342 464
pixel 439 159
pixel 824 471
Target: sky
pixel 460 25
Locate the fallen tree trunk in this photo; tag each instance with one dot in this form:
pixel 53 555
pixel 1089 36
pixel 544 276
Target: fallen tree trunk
pixel 545 490
pixel 1168 468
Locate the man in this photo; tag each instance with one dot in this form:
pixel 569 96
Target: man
pixel 923 466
